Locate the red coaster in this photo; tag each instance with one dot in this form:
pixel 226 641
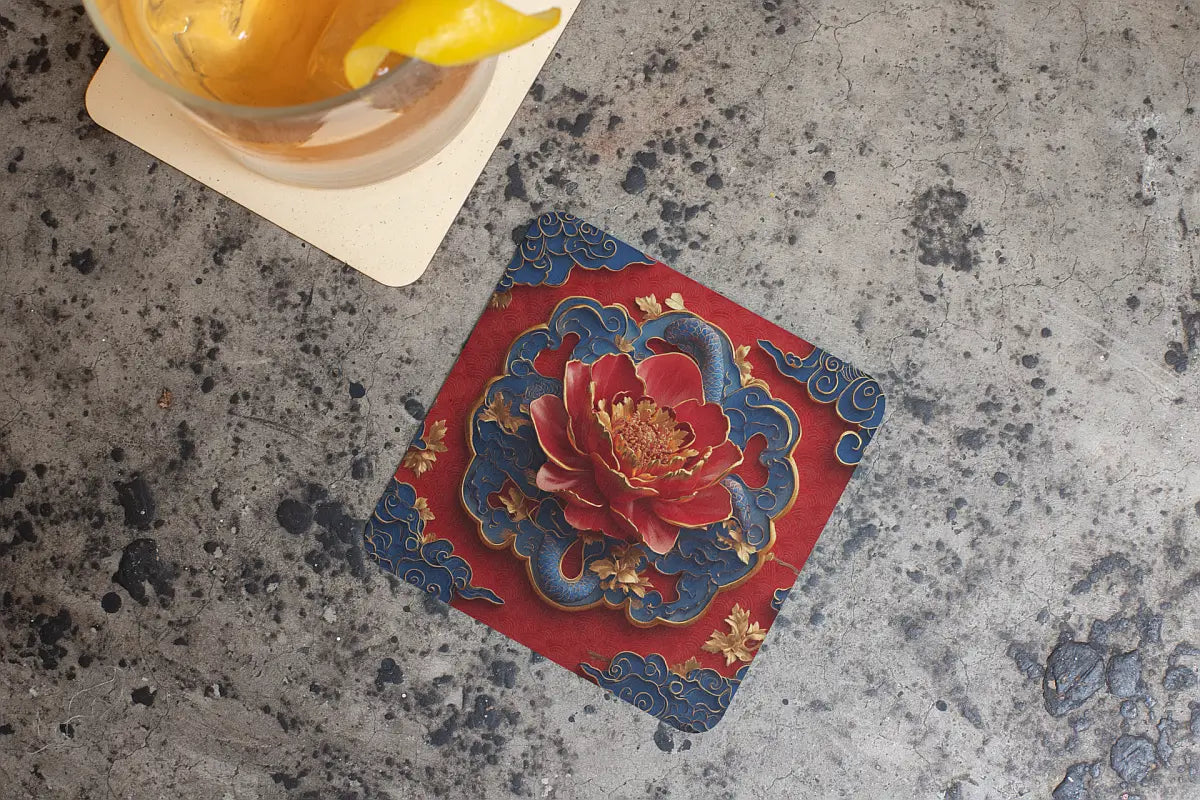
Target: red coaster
pixel 625 471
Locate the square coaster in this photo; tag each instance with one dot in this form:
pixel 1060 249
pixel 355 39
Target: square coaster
pixel 625 471
pixel 389 231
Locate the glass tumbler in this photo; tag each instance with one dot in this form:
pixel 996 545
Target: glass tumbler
pixel 362 136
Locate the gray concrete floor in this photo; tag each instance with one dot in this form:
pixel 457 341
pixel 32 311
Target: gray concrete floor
pixel 990 206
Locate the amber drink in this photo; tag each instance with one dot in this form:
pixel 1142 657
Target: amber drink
pixel 265 79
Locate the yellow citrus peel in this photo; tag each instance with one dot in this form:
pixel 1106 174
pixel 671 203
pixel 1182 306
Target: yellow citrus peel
pixel 445 33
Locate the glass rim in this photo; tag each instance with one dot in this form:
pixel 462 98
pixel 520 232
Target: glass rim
pixel 193 100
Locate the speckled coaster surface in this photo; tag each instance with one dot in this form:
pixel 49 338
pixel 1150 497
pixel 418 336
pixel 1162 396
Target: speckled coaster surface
pixel 625 471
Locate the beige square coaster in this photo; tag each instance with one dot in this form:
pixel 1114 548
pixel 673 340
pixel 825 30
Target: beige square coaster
pixel 388 231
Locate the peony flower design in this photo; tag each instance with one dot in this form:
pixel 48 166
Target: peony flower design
pixel 642 457
pixel 633 450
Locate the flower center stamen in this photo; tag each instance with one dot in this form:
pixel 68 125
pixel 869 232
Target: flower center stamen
pixel 646 438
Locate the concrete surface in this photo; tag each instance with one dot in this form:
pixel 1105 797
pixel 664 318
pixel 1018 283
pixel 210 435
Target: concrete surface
pixel 991 206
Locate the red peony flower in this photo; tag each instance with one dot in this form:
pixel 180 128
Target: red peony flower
pixel 634 451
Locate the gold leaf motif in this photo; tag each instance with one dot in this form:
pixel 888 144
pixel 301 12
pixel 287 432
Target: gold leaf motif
pixel 499 411
pixel 675 302
pixel 500 300
pixel 649 306
pixel 743 638
pixel 620 572
pixel 732 540
pixel 684 669
pixel 437 433
pixel 165 399
pixel 426 536
pixel 624 345
pixel 422 507
pixel 782 563
pixel 421 459
pixel 516 504
pixel 418 460
pixel 745 368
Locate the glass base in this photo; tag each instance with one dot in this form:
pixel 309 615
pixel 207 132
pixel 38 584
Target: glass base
pixel 326 162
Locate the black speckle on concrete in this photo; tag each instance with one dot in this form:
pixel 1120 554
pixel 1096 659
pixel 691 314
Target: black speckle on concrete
pixel 10 482
pixel 357 390
pixel 830 178
pixel 1000 478
pixel 140 565
pixel 1149 627
pixel 635 180
pixel 51 630
pixel 288 782
pixel 338 542
pixel 715 182
pixel 445 732
pixel 1179 353
pixel 1125 674
pixel 6 730
pixel 515 189
pixel 920 408
pixel 972 438
pixel 664 739
pixel 504 673
pixel 83 260
pixel 143 696
pixel 484 714
pixel 1074 785
pixel 1027 663
pixel 646 159
pixel 1029 361
pixel 413 407
pixel 953 792
pixel 295 516
pixel 135 497
pixel 361 468
pixel 1133 757
pixel 1102 568
pixel 1074 672
pixel 861 535
pixel 1178 678
pixel 1163 748
pixel 388 672
pixel 187 445
pixel 111 603
pixel 944 237
pixel 577 128
pixel 226 247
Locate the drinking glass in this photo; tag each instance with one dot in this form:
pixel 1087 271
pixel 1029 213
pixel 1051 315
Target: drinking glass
pixel 354 138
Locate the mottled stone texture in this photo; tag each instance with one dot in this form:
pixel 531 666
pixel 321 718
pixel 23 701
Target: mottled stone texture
pixel 989 205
